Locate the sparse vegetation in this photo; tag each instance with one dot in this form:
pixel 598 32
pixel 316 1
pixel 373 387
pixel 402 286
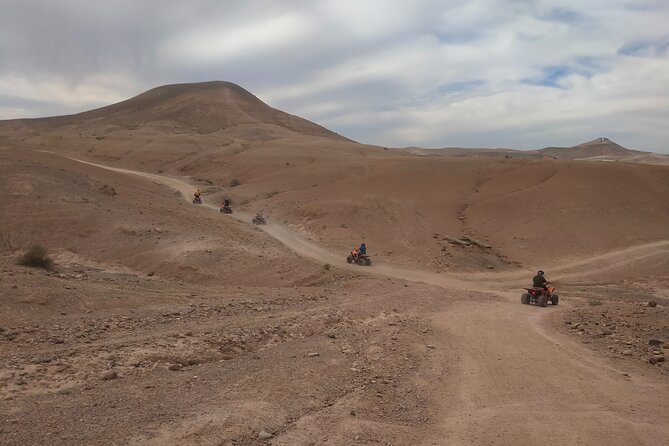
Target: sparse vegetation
pixel 594 302
pixel 235 182
pixel 327 267
pixel 36 257
pixel 108 190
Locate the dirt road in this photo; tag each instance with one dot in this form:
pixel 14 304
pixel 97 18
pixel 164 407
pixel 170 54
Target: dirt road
pixel 511 380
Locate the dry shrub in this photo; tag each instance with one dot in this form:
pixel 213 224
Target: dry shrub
pixel 36 257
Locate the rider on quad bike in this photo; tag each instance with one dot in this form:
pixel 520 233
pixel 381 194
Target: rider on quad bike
pixel 540 293
pixel 359 256
pixel 197 199
pixel 260 218
pixel 226 209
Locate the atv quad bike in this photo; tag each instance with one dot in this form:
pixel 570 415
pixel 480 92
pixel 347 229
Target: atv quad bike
pixel 259 220
pixel 360 259
pixel 197 200
pixel 539 296
pixel 226 209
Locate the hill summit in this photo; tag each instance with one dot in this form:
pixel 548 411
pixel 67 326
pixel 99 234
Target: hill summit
pixel 195 108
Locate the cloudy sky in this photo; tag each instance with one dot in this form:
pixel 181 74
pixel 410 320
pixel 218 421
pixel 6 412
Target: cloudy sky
pixel 432 73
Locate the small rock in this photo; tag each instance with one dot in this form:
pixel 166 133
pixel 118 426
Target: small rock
pixel 175 367
pixel 659 358
pixel 313 354
pixel 56 341
pixel 627 352
pixel 264 435
pixel 429 346
pixel 655 342
pixel 652 304
pixel 60 368
pixel 491 267
pixel 607 332
pixel 109 374
pixel 150 273
pixel 652 360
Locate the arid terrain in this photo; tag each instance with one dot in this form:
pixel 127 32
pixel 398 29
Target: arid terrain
pixel 168 323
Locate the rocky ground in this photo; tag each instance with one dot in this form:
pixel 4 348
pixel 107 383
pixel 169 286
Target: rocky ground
pixel 627 322
pixel 266 358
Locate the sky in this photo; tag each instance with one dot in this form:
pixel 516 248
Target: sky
pixel 521 74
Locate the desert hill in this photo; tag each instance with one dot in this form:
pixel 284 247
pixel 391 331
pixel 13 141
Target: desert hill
pixel 338 192
pixel 186 124
pixel 597 148
pixel 199 108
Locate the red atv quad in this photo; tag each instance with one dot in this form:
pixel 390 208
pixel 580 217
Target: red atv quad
pixel 360 259
pixel 539 296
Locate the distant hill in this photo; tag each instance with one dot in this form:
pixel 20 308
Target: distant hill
pixel 602 148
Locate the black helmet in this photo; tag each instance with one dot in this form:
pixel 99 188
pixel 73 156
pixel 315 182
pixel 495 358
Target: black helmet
pixel 541 273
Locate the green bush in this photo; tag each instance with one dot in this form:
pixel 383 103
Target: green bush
pixel 36 257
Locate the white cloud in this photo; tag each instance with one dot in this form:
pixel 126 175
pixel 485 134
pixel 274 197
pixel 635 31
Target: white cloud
pixel 94 91
pixel 222 41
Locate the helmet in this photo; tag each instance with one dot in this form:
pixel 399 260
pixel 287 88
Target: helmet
pixel 541 273
pixel 362 244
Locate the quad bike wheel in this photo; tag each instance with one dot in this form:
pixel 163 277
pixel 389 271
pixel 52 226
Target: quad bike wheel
pixel 368 262
pixel 349 259
pixel 525 299
pixel 555 299
pixel 541 300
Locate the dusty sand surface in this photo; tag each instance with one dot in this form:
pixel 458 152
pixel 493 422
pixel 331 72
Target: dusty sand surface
pixel 166 323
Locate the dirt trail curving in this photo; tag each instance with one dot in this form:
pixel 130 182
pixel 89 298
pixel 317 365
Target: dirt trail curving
pixel 511 380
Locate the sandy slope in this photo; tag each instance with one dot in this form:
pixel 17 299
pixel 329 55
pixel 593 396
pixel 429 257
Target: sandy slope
pixel 616 262
pixel 514 381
